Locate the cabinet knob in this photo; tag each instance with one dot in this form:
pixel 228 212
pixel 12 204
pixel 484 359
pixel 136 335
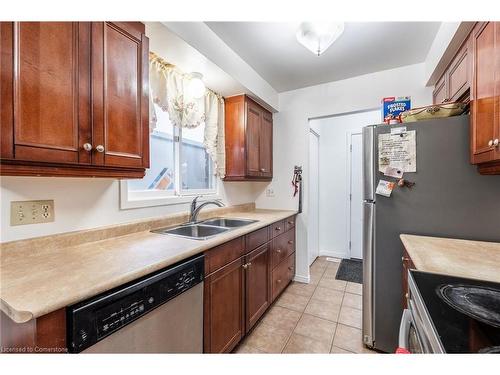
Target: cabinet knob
pixel 87 147
pixel 290 242
pixel 262 169
pixel 277 228
pixel 495 142
pixel 99 148
pixel 290 223
pixel 290 268
pixel 278 251
pixel 406 295
pixel 490 143
pixel 245 266
pixel 278 281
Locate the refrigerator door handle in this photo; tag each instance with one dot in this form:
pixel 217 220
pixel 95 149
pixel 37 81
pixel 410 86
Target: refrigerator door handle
pixel 369 162
pixel 368 277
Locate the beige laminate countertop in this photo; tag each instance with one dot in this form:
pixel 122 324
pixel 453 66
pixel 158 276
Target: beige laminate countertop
pixel 37 281
pixel 463 258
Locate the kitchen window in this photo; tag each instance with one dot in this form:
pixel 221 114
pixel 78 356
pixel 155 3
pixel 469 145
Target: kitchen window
pixel 180 167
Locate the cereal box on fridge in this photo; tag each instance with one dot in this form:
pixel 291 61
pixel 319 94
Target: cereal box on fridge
pixel 393 106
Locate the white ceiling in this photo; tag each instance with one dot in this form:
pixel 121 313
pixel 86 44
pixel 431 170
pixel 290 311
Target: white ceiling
pixel 365 47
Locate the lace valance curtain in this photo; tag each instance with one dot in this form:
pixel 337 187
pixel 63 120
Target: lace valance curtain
pixel 168 90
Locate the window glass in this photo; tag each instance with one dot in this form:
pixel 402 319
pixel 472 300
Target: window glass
pixel 161 174
pixel 196 167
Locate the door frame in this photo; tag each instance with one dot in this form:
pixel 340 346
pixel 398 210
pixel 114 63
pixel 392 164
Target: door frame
pixel 317 135
pixel 349 135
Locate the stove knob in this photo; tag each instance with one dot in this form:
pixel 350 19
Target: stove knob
pixel 151 300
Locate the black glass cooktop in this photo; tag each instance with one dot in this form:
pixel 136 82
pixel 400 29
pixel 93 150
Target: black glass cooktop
pixel 465 312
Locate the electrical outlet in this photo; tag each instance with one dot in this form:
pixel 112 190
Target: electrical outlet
pixel 31 212
pixel 270 192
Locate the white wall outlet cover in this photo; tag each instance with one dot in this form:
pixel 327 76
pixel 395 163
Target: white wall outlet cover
pixel 270 192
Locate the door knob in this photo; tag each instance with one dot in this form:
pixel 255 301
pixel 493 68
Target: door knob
pixel 99 148
pixel 490 143
pixel 87 147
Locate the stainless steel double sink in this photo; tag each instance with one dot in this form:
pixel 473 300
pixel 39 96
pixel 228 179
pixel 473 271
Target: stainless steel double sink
pixel 205 229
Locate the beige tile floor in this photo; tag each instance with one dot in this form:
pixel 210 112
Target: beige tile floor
pixel 321 317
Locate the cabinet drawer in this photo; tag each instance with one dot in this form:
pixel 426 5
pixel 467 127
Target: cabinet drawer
pixel 277 228
pixel 282 275
pixel 223 254
pixel 283 246
pixel 257 238
pixel 289 223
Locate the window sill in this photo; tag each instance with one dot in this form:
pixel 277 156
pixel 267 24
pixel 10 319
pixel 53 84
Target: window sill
pixel 128 201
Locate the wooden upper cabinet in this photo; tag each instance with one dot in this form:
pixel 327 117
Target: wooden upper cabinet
pixel 74 99
pixel 249 140
pixel 455 82
pixel 50 91
pixel 120 54
pixel 485 123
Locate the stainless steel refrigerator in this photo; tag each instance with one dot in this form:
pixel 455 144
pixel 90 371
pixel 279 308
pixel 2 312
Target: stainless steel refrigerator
pixel 449 199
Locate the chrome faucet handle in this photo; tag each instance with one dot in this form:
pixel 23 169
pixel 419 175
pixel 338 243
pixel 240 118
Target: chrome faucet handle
pixel 195 202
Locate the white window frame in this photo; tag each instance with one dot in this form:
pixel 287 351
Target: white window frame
pixel 149 198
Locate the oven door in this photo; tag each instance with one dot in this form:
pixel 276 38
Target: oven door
pixel 408 335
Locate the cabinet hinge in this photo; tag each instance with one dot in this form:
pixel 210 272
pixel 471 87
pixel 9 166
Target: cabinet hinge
pixel 349 245
pixel 177 138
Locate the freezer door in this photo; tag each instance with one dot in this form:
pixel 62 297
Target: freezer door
pixel 368 276
pixel 369 175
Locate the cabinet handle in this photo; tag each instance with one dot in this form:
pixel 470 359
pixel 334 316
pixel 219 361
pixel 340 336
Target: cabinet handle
pixel 495 142
pixel 245 266
pixel 277 228
pixel 290 223
pixel 249 264
pixel 99 148
pixel 490 143
pixel 87 147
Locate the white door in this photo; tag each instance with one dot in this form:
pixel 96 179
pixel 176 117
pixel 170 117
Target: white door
pixel 313 211
pixel 356 196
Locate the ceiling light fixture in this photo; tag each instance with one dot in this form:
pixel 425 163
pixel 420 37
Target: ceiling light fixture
pixel 196 87
pixel 318 36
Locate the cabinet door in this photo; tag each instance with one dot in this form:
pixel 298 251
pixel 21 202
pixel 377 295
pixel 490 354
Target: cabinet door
pixel 484 114
pixel 440 94
pixel 266 145
pixel 224 314
pixel 258 286
pixel 50 91
pixel 458 76
pixel 254 119
pixel 120 95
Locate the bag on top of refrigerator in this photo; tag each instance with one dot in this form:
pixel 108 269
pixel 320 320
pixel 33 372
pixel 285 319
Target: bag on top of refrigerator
pixel 393 106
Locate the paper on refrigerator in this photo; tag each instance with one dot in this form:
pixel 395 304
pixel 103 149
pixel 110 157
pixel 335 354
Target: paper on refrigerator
pixel 397 151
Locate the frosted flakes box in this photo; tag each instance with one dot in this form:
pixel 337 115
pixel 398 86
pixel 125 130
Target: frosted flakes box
pixel 393 106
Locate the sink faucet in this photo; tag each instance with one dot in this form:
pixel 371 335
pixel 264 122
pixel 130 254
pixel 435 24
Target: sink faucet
pixel 193 215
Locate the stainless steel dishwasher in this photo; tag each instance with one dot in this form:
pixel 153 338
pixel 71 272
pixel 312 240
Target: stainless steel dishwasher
pixel 160 313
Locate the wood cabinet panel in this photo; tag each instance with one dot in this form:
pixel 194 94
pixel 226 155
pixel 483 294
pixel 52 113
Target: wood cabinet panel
pixel 118 88
pixel 7 89
pixel 266 145
pixel 50 61
pixel 459 74
pixel 289 223
pixel 224 316
pixel 224 254
pixel 484 111
pixel 282 275
pixel 440 91
pixel 257 284
pixel 277 228
pixel 257 238
pixel 282 247
pixel 253 140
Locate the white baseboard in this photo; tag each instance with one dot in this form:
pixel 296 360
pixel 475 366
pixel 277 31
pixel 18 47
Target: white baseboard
pixel 334 254
pixel 302 279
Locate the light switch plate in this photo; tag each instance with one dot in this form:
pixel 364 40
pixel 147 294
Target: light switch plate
pixel 31 212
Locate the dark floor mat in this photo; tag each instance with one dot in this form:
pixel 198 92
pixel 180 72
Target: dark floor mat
pixel 350 270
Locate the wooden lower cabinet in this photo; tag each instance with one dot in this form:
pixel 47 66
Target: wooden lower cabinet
pixel 224 321
pixel 257 284
pixel 238 292
pixel 407 265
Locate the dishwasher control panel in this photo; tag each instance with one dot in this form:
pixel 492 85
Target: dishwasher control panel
pixel 92 320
